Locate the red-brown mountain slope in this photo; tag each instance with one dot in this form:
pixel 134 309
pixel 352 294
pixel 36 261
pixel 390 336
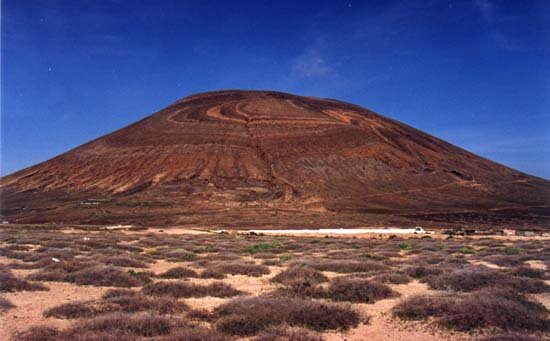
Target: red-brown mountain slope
pixel 257 158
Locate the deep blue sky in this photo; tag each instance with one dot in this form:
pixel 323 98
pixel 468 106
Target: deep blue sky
pixel 475 73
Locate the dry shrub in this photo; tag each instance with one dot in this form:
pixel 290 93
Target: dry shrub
pixel 5 304
pixel 183 289
pixel 10 283
pixel 264 255
pixel 194 333
pixel 17 247
pixel 285 333
pixel 112 293
pixel 344 266
pixel 421 271
pixel 108 276
pixel 178 272
pixel 248 316
pixel 506 260
pixel 138 302
pixel 50 275
pixel 299 273
pixel 240 268
pixel 212 273
pixel 124 261
pixel 38 333
pixel 126 301
pixel 200 314
pixel 71 310
pixel 496 308
pixel 175 254
pixel 300 280
pixel 393 278
pixel 420 307
pixel 527 271
pixel 59 271
pixel 358 290
pixel 488 308
pixel 429 258
pixel 223 256
pixel 510 337
pixel 470 279
pixel 25 266
pixel 272 262
pixel 145 325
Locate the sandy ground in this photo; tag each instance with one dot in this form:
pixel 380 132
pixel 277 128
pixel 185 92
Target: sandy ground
pixel 382 327
pixel 31 304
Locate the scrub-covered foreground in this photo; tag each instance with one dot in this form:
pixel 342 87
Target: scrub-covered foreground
pixel 98 285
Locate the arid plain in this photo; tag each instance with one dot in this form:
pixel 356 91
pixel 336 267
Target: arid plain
pixel 238 160
pixel 89 284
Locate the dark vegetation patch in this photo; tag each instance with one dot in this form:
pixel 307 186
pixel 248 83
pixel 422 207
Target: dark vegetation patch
pixel 178 272
pixel 506 261
pixel 5 304
pixel 125 261
pixel 510 337
pixel 223 256
pixel 175 255
pixel 527 271
pixel 299 273
pixel 194 333
pixel 83 257
pixel 10 283
pixel 183 289
pixel 261 247
pixel 358 290
pixel 286 333
pixel 145 325
pixel 248 316
pixel 421 307
pixel 212 273
pixel 272 262
pixel 108 276
pixel 117 300
pixel 71 310
pixel 239 268
pixel 488 308
pixel 201 315
pixel 393 278
pixel 39 333
pixel 470 279
pixel 421 271
pixel 344 266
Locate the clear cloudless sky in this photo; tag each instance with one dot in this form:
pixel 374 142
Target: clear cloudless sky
pixel 475 73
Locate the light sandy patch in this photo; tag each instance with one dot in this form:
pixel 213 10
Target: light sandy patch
pixel 161 266
pixel 484 263
pixel 250 285
pixel 22 273
pixel 331 275
pixel 537 264
pixel 5 260
pixel 383 327
pixel 543 299
pixel 208 303
pixel 177 230
pixel 31 304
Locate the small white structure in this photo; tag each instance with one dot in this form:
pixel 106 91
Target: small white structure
pixel 509 232
pixel 341 231
pixel 118 227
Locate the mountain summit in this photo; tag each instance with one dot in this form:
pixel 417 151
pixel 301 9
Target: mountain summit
pixel 260 158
